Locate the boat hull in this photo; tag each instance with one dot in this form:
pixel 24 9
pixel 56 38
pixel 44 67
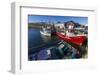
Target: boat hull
pixel 45 33
pixel 78 40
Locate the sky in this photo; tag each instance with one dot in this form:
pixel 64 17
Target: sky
pixel 55 19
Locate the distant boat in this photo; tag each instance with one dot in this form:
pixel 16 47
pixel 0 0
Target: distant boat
pixel 78 40
pixel 45 32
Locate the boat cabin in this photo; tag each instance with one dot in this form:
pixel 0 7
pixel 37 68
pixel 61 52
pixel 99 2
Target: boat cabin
pixel 69 28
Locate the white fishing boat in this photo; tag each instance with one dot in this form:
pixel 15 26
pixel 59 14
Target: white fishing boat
pixel 45 32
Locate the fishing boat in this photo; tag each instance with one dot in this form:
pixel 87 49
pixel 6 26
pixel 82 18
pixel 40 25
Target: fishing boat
pixel 45 32
pixel 70 36
pixel 78 40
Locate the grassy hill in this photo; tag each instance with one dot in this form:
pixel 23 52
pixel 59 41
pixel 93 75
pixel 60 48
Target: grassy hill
pixel 35 25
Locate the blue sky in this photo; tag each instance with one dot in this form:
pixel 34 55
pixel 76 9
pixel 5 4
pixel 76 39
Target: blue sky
pixel 55 19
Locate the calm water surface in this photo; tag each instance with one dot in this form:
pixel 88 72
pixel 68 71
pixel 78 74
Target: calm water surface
pixel 36 40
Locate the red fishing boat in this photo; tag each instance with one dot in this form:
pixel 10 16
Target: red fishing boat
pixel 78 40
